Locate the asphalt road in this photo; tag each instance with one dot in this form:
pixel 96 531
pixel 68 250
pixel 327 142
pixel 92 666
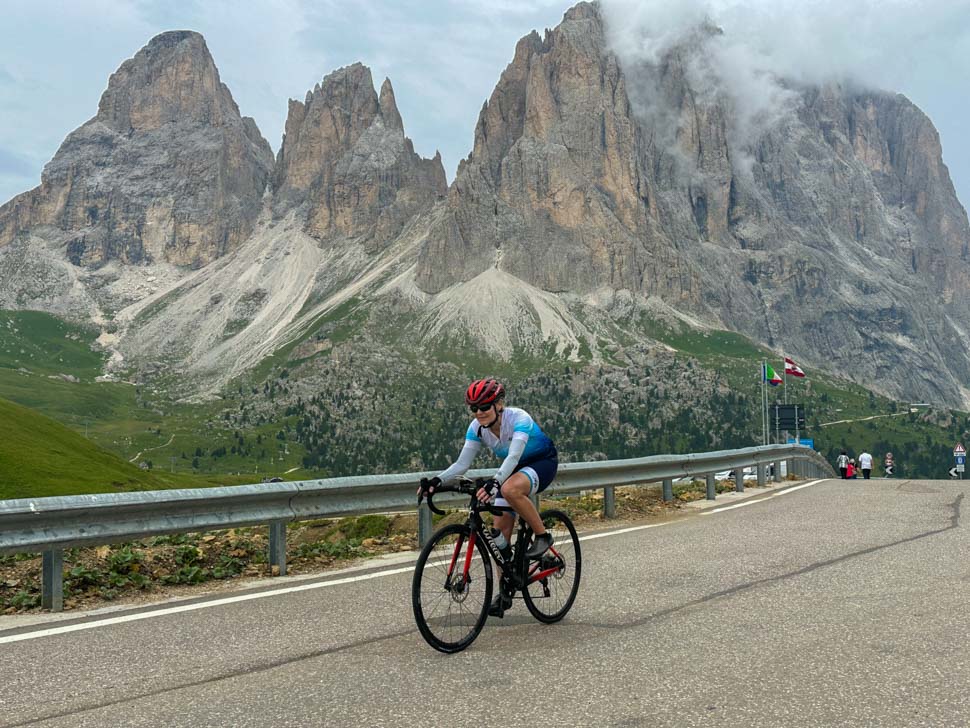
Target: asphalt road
pixel 841 603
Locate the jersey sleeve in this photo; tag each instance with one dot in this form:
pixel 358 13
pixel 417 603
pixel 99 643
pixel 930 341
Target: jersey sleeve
pixel 516 448
pixel 464 461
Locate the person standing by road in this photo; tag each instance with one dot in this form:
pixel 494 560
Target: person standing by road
pixel 850 470
pixel 865 464
pixel 843 464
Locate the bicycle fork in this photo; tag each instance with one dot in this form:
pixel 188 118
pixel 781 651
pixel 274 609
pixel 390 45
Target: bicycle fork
pixel 462 583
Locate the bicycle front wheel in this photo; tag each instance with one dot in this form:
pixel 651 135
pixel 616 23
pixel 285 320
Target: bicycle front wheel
pixel 552 581
pixel 451 589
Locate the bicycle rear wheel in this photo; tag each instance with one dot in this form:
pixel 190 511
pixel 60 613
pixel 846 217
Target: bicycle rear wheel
pixel 451 589
pixel 552 581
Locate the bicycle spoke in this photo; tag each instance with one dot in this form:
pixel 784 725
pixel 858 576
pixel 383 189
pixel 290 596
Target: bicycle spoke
pixel 550 597
pixel 450 611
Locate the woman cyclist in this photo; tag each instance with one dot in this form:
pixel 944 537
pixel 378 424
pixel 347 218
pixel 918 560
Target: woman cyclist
pixel 528 467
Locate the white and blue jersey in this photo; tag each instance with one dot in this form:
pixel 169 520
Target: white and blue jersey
pixel 521 444
pixel 516 423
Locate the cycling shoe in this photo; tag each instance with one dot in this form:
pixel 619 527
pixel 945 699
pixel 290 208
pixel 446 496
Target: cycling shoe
pixel 539 546
pixel 499 604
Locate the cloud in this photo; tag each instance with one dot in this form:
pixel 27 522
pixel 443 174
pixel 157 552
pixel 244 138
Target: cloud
pixel 875 43
pixel 917 48
pixel 721 70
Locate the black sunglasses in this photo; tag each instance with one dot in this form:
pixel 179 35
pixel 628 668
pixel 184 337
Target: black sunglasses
pixel 481 407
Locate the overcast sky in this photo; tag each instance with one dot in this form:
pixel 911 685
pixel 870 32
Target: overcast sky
pixel 444 58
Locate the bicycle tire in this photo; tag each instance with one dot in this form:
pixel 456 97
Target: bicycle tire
pixel 456 625
pixel 549 599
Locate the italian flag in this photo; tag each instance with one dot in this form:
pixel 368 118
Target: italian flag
pixel 793 369
pixel 773 379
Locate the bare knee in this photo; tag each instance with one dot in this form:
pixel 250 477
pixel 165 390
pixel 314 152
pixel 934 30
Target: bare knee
pixel 515 487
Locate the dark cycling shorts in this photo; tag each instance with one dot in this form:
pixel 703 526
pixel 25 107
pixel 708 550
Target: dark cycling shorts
pixel 540 472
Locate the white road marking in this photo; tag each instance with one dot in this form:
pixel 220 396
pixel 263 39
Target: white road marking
pixel 318 585
pixel 761 500
pixel 199 605
pixel 623 530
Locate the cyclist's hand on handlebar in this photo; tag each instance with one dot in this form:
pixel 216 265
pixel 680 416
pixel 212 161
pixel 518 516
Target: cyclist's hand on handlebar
pixel 428 485
pixel 488 491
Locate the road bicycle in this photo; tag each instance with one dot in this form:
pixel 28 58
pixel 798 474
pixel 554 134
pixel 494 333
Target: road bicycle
pixel 451 591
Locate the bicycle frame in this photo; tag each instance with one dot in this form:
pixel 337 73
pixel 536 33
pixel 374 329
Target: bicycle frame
pixel 518 578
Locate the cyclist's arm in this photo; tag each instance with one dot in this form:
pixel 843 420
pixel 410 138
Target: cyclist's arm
pixel 464 461
pixel 516 448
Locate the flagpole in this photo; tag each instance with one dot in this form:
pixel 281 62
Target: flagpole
pixel 764 389
pixel 764 405
pixel 784 378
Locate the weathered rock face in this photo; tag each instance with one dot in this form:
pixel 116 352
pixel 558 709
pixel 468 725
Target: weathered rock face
pixel 551 192
pixel 167 171
pixel 346 161
pixel 832 232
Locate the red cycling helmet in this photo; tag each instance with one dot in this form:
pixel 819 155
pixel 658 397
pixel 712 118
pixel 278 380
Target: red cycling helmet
pixel 484 391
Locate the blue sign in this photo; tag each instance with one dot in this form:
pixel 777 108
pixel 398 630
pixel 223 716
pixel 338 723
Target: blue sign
pixel 961 459
pixel 802 441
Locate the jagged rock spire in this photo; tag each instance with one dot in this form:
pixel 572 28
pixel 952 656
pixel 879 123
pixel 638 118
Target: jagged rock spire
pixel 346 163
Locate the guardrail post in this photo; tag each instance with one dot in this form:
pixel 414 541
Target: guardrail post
pixel 739 480
pixel 711 487
pixel 777 475
pixel 609 502
pixel 791 470
pixel 52 580
pixel 425 525
pixel 668 490
pixel 277 546
pixel 761 475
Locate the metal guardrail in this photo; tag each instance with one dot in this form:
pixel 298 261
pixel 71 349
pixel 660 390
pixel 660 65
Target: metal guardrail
pixel 49 525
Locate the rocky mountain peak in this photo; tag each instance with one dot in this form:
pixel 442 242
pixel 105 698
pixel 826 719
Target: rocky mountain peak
pixel 173 79
pixel 550 192
pixel 167 171
pixel 347 164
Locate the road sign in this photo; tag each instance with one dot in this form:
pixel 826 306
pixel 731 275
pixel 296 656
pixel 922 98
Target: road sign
pixel 953 472
pixel 889 468
pixel 961 459
pixel 959 449
pixel 786 416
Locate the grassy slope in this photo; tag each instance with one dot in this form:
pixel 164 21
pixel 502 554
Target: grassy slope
pixel 41 457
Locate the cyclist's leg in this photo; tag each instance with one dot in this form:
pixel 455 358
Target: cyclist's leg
pixel 516 491
pixel 505 523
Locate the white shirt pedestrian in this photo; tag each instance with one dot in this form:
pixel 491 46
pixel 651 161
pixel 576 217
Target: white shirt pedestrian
pixel 865 464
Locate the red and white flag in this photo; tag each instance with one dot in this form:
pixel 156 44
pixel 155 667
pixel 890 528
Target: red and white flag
pixel 792 368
